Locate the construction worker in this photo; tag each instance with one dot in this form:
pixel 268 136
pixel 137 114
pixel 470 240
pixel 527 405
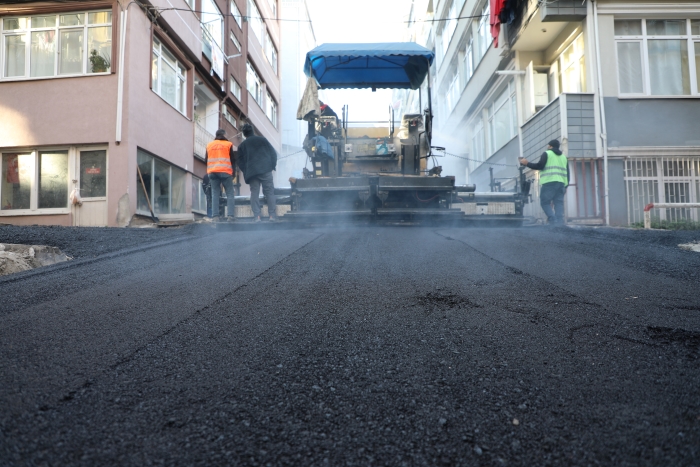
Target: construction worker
pixel 257 159
pixel 220 162
pixel 554 179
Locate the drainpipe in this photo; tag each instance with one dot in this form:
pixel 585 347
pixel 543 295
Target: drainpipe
pixel 604 131
pixel 120 86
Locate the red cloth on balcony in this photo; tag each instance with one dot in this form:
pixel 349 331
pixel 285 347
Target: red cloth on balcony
pixel 496 6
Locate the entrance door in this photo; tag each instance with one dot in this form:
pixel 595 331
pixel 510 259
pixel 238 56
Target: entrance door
pixel 91 179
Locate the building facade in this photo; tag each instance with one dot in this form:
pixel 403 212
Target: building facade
pixel 624 115
pixel 117 100
pixel 299 39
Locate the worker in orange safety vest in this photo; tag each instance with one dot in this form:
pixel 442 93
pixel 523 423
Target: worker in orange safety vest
pixel 220 162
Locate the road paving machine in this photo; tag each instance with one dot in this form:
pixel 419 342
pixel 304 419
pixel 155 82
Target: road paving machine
pixel 380 173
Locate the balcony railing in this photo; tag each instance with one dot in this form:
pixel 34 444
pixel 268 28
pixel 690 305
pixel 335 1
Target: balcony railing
pixel 201 138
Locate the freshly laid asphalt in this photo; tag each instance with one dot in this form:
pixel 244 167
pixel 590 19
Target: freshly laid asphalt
pixel 353 346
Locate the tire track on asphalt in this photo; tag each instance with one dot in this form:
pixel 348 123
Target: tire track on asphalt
pixel 68 396
pixel 513 270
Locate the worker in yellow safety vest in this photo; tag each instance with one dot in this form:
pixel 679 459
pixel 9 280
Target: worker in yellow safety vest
pixel 220 162
pixel 554 179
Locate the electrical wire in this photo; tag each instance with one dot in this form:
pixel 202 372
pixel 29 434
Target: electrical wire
pixel 477 160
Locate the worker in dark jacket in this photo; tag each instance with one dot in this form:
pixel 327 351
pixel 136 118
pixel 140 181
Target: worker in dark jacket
pixel 554 179
pixel 257 159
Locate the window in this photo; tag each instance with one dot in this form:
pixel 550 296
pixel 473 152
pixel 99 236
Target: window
pixel 254 84
pixel 273 7
pixel 235 41
pixel 199 198
pixel 270 51
pixel 190 3
pixel 55 45
pixel 271 109
pixel 453 94
pixel 482 35
pixel 658 57
pixel 34 180
pixel 212 27
pixel 235 88
pixel 227 115
pixel 478 142
pixel 164 183
pixel 468 62
pixel 93 174
pixel 572 67
pixel 168 76
pixel 503 118
pixel 255 21
pixel 237 16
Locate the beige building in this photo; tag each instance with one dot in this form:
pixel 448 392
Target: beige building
pixel 116 100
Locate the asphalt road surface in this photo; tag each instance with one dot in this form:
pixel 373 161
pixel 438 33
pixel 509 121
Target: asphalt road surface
pixel 368 346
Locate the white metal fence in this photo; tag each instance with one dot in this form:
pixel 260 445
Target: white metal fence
pixel 662 180
pixel 201 138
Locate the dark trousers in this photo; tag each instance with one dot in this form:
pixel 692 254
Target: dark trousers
pixel 217 180
pixel 553 193
pixel 268 188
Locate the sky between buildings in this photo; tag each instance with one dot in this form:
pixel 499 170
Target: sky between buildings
pixel 343 21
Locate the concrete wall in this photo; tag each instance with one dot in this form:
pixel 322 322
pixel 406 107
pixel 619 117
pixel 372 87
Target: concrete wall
pixel 618 192
pixel 652 122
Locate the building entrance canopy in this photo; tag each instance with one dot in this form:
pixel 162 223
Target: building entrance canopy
pixel 389 65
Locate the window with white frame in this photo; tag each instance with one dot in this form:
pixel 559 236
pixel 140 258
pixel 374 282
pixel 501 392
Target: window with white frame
pixel 228 116
pixel 57 45
pixel 190 3
pixel 235 88
pixel 271 109
pixel 468 61
pixel 34 180
pixel 572 67
pixel 478 142
pixel 502 118
pixel 199 197
pixel 254 84
pixel 255 21
pixel 236 15
pixel 235 41
pixel 270 51
pixel 212 27
pixel 168 76
pixel 273 7
pixel 482 35
pixel 164 183
pixel 658 57
pixel 453 93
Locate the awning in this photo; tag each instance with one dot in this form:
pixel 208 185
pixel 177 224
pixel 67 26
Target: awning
pixel 392 65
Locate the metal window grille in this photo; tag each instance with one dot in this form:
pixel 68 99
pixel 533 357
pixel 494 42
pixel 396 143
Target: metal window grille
pixel 665 179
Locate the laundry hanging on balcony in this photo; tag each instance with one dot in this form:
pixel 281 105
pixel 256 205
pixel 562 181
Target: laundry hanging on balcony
pixel 496 6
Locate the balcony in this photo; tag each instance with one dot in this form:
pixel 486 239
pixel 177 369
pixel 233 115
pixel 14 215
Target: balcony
pixel 201 138
pixel 570 118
